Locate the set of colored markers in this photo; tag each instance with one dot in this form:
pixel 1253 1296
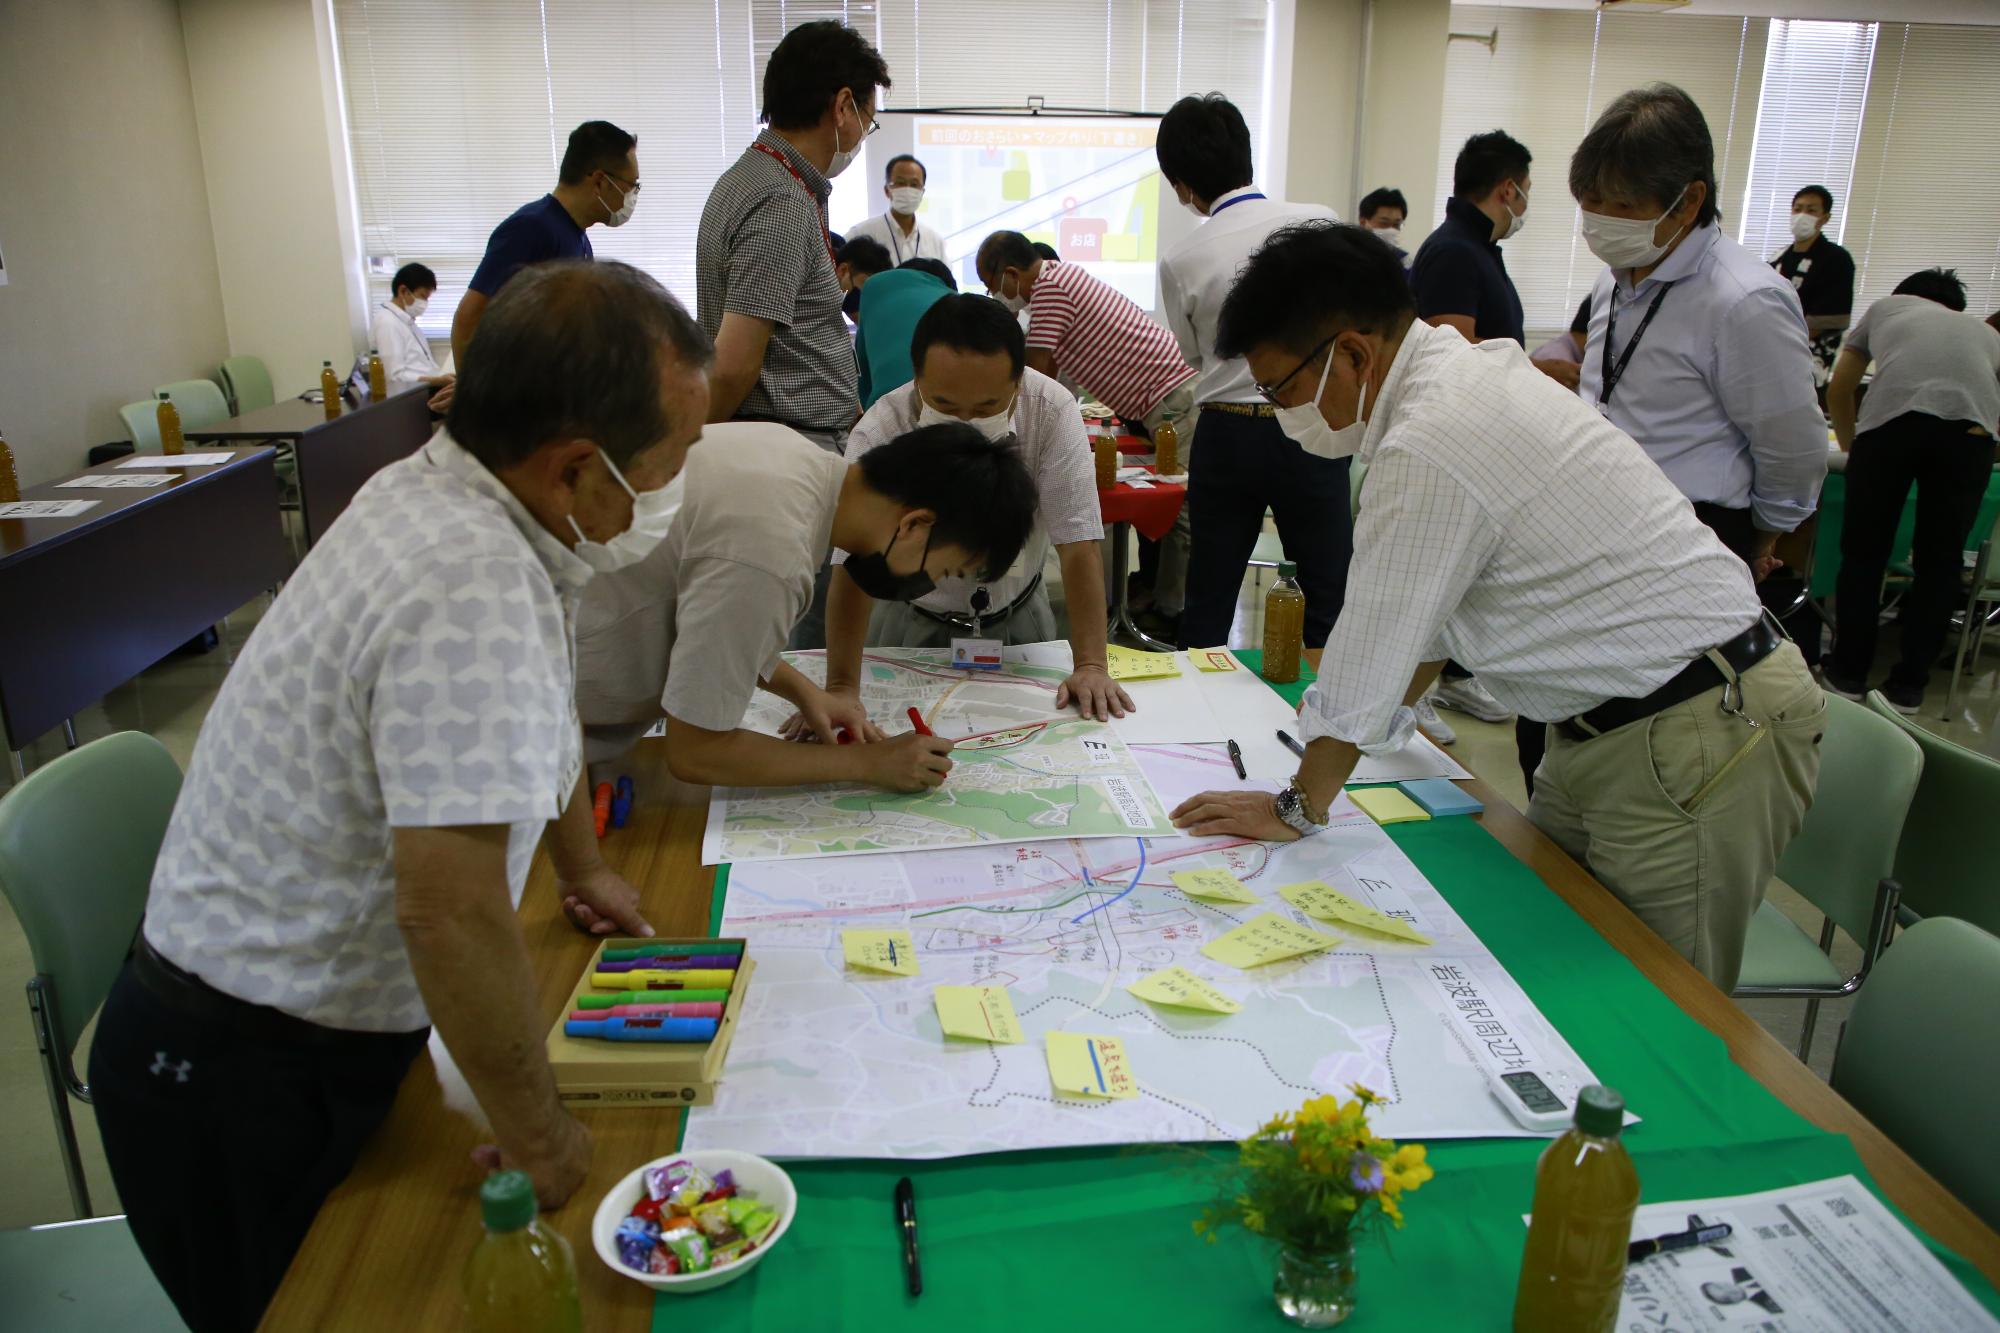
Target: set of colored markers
pixel 658 992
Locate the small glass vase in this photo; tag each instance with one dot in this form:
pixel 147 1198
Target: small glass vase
pixel 1315 1288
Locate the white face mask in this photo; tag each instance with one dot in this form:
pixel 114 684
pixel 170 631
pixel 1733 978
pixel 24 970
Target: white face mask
pixel 623 213
pixel 904 199
pixel 1628 242
pixel 843 158
pixel 1015 304
pixel 418 306
pixel 1390 235
pixel 1804 226
pixel 1515 221
pixel 996 427
pixel 652 517
pixel 1306 424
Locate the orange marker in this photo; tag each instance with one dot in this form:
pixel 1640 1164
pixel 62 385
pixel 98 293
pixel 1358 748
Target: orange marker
pixel 601 807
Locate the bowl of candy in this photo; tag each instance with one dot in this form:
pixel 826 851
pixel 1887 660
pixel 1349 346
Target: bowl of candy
pixel 693 1221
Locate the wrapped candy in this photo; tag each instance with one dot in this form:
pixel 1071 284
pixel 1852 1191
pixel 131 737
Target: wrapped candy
pixel 689 1222
pixel 714 1221
pixel 753 1219
pixel 648 1208
pixel 679 1181
pixel 637 1239
pixel 692 1251
pixel 662 1263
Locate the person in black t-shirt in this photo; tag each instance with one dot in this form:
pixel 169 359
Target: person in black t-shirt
pixel 1822 273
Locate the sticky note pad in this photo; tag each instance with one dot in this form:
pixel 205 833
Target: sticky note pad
pixel 1315 898
pixel 880 951
pixel 1212 659
pixel 1184 990
pixel 1131 664
pixel 1386 805
pixel 1441 796
pixel 1093 1066
pixel 1216 885
pixel 978 1013
pixel 1266 939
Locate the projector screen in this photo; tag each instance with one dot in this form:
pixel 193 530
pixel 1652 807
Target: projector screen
pixel 1089 186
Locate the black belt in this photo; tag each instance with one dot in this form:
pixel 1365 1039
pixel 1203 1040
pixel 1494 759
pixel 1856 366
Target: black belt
pixel 957 621
pixel 191 997
pixel 1744 651
pixel 1241 409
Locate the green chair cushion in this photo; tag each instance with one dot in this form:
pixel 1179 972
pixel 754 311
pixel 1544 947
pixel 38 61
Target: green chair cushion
pixel 1778 953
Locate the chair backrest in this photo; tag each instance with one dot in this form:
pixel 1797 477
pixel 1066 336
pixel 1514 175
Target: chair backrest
pixel 1868 774
pixel 248 384
pixel 78 838
pixel 1921 1055
pixel 200 402
pixel 1951 838
pixel 142 420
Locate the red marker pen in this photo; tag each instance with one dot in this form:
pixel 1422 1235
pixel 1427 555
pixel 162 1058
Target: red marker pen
pixel 917 721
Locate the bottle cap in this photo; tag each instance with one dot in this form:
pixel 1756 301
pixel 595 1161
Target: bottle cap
pixel 327 364
pixel 1287 569
pixel 373 351
pixel 163 395
pixel 1600 1111
pixel 507 1201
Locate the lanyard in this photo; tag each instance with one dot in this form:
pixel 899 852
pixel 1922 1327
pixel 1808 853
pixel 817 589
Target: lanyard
pixel 825 236
pixel 1241 198
pixel 1612 374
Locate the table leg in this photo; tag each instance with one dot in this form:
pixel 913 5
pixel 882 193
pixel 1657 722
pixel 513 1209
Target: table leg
pixel 69 732
pixel 1121 602
pixel 15 766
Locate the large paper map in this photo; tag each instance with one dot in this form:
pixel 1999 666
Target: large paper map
pixel 833 1061
pixel 1021 771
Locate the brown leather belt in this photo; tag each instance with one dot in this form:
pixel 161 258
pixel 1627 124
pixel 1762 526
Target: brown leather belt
pixel 1744 651
pixel 1242 409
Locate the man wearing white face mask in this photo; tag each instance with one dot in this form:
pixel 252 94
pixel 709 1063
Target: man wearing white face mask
pixel 1383 212
pixel 899 231
pixel 597 185
pixel 971 365
pixel 1821 272
pixel 343 867
pixel 406 353
pixel 1510 526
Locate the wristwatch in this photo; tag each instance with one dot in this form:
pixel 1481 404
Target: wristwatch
pixel 1290 805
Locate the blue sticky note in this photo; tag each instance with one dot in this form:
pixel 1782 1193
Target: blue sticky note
pixel 1441 796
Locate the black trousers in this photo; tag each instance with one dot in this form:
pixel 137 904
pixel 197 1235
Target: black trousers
pixel 1240 467
pixel 223 1145
pixel 1950 467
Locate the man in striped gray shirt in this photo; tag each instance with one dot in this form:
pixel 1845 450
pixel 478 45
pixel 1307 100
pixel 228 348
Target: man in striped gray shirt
pixel 765 287
pixel 1506 524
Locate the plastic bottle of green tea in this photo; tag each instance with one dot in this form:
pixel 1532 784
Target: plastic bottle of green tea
pixel 521 1277
pixel 1586 1190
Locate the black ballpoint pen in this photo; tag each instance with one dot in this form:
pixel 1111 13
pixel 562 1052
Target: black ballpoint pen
pixel 1680 1240
pixel 1292 745
pixel 906 1221
pixel 1236 758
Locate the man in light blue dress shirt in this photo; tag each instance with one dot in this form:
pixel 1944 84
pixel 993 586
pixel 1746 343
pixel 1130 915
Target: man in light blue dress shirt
pixel 1696 349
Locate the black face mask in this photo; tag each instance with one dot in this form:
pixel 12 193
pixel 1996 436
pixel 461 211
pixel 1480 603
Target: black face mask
pixel 871 574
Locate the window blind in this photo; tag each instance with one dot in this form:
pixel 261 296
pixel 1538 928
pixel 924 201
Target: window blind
pixel 458 110
pixel 1546 80
pixel 1808 124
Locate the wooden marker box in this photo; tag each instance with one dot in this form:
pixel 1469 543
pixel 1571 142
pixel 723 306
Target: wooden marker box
pixel 593 1072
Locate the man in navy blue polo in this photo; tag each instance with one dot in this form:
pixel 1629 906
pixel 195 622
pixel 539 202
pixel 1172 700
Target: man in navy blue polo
pixel 598 183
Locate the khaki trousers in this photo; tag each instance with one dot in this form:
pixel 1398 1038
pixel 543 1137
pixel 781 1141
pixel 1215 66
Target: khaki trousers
pixel 1683 815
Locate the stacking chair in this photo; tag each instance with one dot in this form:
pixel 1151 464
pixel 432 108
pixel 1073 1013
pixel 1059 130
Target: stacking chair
pixel 200 402
pixel 80 1277
pixel 1921 1055
pixel 1842 861
pixel 1951 839
pixel 247 383
pixel 143 422
pixel 78 838
pixel 1984 589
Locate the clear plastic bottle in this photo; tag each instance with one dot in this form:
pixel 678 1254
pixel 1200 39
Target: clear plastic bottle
pixel 171 439
pixel 10 480
pixel 1167 450
pixel 329 388
pixel 1104 444
pixel 1586 1190
pixel 378 379
pixel 1284 626
pixel 521 1277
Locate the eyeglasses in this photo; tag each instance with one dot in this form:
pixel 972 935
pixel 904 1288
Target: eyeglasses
pixel 1271 391
pixel 630 187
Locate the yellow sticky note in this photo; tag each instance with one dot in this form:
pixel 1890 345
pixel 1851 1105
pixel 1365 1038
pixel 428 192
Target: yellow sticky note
pixel 1266 939
pixel 1212 659
pixel 1329 904
pixel 1131 664
pixel 1386 805
pixel 880 951
pixel 1093 1066
pixel 978 1013
pixel 1179 987
pixel 1216 885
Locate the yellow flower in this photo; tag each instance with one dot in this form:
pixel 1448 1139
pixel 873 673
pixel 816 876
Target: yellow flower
pixel 1405 1171
pixel 1389 1209
pixel 1320 1110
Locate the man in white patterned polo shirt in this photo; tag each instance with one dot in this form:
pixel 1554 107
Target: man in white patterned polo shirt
pixel 345 859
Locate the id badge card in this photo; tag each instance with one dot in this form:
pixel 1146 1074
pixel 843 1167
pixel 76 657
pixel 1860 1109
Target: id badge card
pixel 975 654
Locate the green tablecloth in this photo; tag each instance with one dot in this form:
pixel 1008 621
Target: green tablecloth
pixel 1096 1238
pixel 1833 507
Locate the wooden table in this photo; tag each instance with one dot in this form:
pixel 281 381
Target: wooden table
pixel 388 1247
pixel 286 419
pixel 89 602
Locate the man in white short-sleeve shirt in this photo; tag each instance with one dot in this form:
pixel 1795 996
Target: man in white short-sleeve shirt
pixel 970 363
pixel 695 629
pixel 899 231
pixel 344 862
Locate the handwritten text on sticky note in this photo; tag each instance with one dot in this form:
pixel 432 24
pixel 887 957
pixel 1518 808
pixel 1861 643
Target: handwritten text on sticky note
pixel 978 1013
pixel 1315 898
pixel 1093 1066
pixel 880 951
pixel 1180 987
pixel 1215 885
pixel 1266 939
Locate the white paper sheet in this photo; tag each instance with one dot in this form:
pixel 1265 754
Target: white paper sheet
pixel 1252 714
pixel 118 481
pixel 177 460
pixel 46 508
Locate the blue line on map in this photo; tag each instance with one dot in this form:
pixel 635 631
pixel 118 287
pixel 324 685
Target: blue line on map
pixel 1136 875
